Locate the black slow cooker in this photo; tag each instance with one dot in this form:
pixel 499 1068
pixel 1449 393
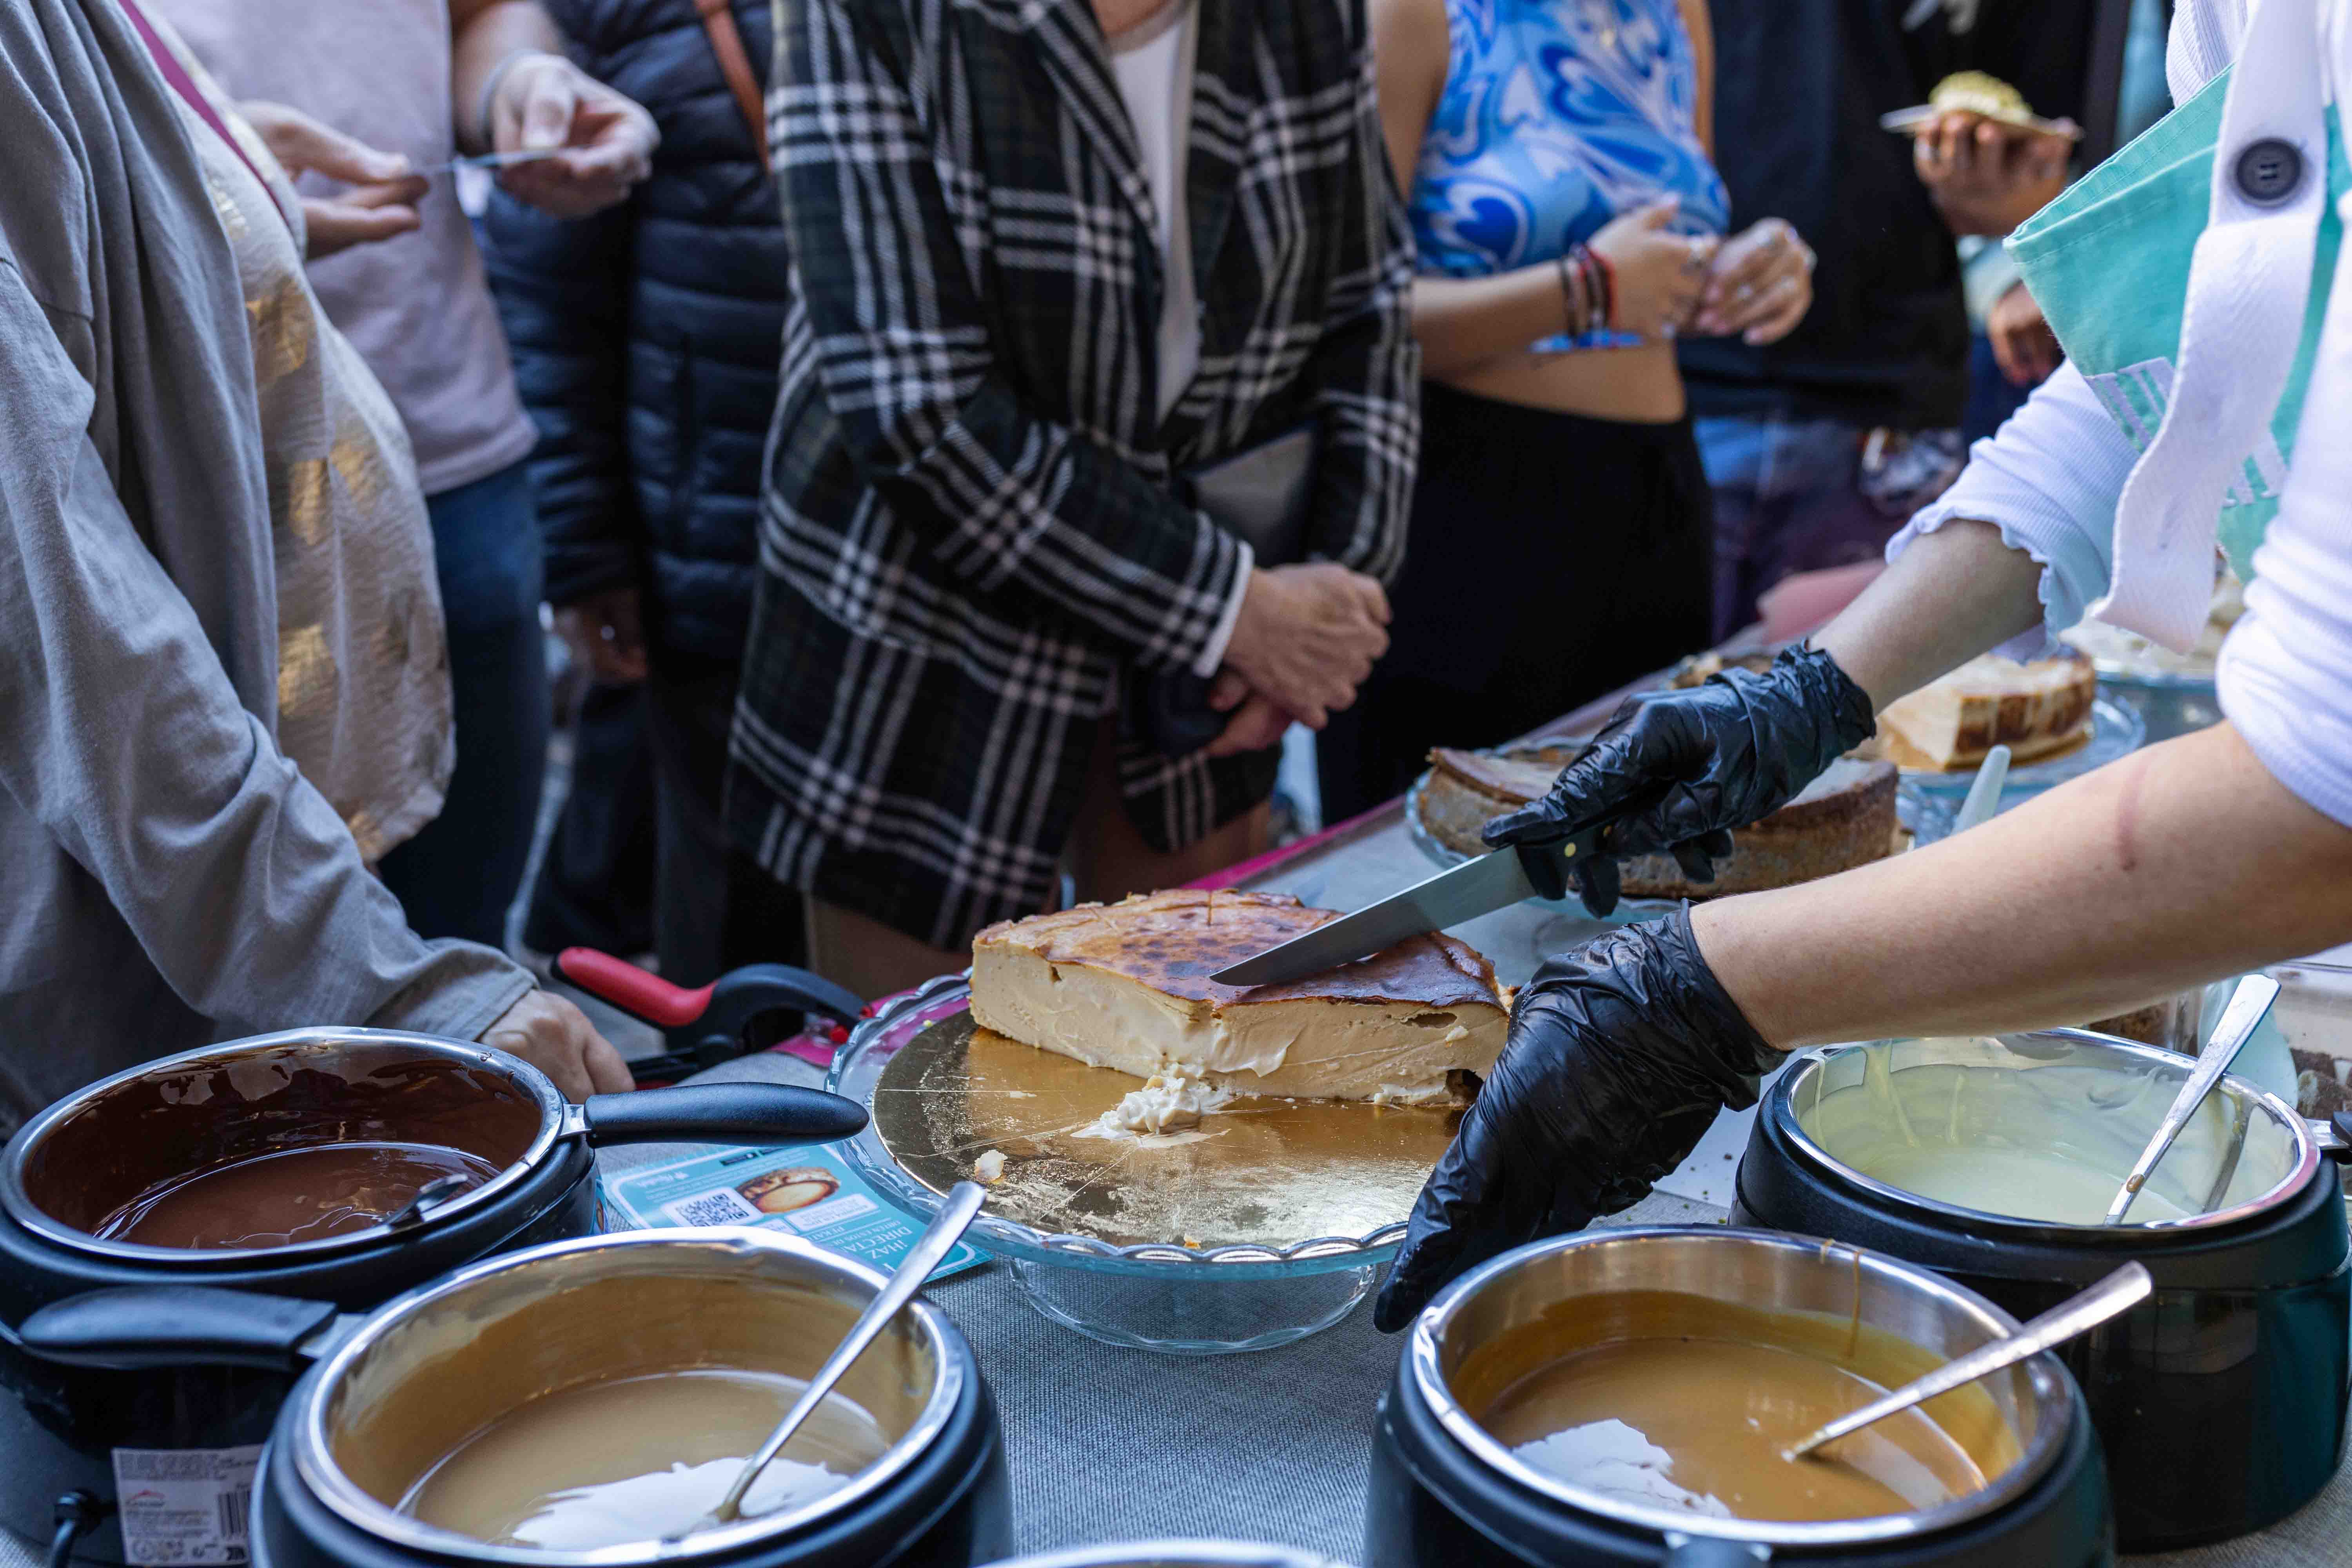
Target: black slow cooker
pixel 2221 1401
pixel 68 1432
pixel 391 1395
pixel 1446 1493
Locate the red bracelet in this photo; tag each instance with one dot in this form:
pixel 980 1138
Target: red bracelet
pixel 1607 287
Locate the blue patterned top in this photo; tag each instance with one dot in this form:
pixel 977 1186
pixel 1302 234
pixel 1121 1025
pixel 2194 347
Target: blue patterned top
pixel 1556 116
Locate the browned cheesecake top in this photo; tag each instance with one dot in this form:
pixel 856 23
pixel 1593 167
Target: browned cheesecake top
pixel 1174 940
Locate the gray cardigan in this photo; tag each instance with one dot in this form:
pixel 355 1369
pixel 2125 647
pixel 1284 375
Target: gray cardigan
pixel 167 878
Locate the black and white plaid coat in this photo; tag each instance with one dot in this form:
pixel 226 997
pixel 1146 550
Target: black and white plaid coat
pixel 968 530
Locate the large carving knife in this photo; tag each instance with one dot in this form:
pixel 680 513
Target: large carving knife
pixel 1479 886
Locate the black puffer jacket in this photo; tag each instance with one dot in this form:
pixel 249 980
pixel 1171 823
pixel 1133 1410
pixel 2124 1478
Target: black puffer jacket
pixel 645 337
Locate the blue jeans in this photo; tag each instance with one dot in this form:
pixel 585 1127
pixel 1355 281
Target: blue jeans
pixel 1787 499
pixel 458 877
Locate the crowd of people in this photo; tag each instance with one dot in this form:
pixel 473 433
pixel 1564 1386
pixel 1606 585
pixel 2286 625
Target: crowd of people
pixel 958 441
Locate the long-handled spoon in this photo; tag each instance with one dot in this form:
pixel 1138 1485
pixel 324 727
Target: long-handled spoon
pixel 954 1217
pixel 1984 794
pixel 2248 1005
pixel 2124 1288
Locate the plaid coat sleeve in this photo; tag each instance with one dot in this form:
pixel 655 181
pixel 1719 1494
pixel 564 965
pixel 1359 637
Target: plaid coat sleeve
pixel 901 337
pixel 1367 370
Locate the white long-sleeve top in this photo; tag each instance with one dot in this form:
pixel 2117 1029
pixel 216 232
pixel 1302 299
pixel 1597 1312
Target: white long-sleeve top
pixel 2049 479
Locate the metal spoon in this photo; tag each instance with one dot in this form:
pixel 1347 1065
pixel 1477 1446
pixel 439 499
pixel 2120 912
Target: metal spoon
pixel 1984 794
pixel 954 1217
pixel 2124 1288
pixel 2248 1004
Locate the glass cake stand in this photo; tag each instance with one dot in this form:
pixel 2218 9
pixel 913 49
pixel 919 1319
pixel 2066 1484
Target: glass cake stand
pixel 1270 1223
pixel 1928 799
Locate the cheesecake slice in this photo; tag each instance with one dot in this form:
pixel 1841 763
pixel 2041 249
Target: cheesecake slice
pixel 1127 986
pixel 2036 710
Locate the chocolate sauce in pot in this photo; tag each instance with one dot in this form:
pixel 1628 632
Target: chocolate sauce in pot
pixel 167 1127
pixel 289 1196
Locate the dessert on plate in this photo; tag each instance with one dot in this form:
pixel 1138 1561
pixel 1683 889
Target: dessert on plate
pixel 2037 710
pixel 1127 986
pixel 1843 819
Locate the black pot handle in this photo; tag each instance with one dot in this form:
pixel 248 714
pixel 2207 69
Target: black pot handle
pixel 2339 1148
pixel 177 1325
pixel 722 1113
pixel 1712 1551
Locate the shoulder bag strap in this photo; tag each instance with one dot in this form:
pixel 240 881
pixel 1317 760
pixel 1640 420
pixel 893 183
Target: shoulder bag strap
pixel 727 43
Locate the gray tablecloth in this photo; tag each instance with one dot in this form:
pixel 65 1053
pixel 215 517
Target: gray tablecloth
pixel 1107 1444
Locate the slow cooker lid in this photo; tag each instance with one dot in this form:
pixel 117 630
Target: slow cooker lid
pixel 1841 1107
pixel 1766 1270
pixel 86 1156
pixel 430 1370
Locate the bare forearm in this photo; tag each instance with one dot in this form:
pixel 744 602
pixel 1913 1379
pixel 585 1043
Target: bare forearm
pixel 1464 321
pixel 2183 863
pixel 484 34
pixel 1951 596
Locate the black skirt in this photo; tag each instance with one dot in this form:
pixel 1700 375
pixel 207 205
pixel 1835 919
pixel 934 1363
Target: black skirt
pixel 1550 558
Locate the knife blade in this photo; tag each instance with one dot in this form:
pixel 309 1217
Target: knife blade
pixel 1491 882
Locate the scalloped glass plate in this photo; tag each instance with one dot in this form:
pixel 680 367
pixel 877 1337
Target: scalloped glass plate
pixel 1269 1223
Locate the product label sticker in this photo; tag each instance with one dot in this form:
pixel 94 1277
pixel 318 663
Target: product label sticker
pixel 809 1190
pixel 184 1505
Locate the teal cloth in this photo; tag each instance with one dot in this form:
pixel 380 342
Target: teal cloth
pixel 2108 263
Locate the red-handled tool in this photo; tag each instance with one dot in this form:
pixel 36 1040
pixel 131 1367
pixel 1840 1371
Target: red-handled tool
pixel 733 1015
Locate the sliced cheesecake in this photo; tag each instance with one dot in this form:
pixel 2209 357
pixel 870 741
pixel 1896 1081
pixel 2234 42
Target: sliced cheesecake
pixel 1843 819
pixel 2036 710
pixel 1127 986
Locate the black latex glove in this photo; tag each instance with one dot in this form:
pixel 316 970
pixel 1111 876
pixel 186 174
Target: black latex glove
pixel 1621 1054
pixel 1678 770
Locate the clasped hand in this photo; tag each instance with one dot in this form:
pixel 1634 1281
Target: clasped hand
pixel 1757 282
pixel 1304 641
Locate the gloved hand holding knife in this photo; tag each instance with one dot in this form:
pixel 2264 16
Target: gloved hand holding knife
pixel 1678 770
pixel 1621 1054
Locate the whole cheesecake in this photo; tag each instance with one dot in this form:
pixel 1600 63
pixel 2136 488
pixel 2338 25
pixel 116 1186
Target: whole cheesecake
pixel 1843 819
pixel 1127 986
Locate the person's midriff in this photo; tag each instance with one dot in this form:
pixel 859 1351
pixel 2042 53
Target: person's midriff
pixel 289 1195
pixel 1702 1426
pixel 1640 385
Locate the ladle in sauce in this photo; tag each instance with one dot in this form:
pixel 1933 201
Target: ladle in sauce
pixel 2249 1004
pixel 2126 1287
pixel 955 1216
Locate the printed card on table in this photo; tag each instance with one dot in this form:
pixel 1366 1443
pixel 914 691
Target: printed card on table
pixel 807 1190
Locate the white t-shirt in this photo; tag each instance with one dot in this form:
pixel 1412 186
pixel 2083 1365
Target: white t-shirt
pixel 1152 63
pixel 418 306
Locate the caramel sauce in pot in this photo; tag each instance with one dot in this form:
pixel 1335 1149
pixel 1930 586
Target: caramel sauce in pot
pixel 1678 1401
pixel 639 1459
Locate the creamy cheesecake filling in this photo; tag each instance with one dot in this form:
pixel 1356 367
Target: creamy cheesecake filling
pixel 1298 1046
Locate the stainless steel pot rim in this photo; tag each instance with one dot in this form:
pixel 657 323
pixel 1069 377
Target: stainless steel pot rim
pixel 1011 1238
pixel 314 1460
pixel 1175 1554
pixel 557 1117
pixel 1779 1106
pixel 2040 1453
